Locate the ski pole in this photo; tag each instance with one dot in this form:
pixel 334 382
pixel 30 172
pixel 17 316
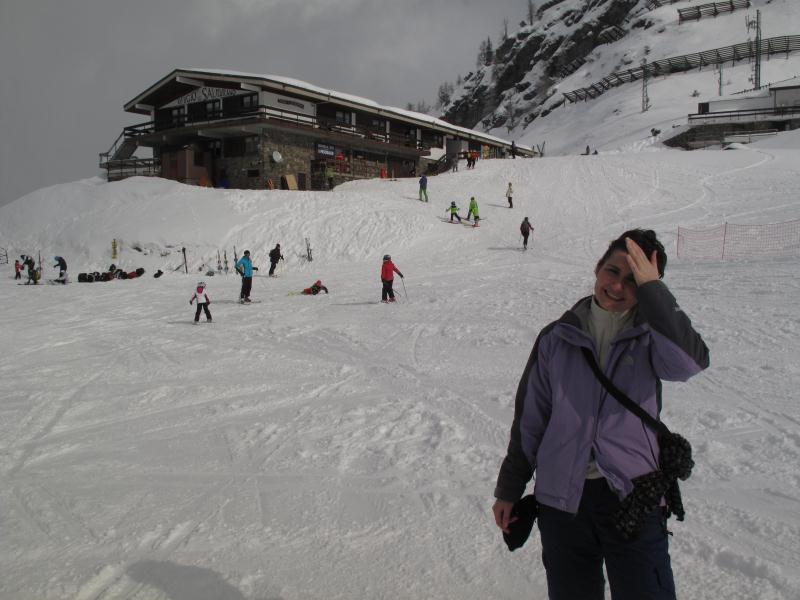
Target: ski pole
pixel 405 293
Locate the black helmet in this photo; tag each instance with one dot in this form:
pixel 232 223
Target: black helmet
pixel 247 252
pixel 387 257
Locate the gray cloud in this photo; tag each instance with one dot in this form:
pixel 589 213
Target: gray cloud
pixel 66 68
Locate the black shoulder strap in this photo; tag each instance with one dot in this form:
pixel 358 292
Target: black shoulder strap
pixel 645 416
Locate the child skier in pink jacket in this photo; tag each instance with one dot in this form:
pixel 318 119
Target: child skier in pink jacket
pixel 203 301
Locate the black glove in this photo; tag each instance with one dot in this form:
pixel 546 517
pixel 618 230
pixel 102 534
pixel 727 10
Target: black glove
pixel 526 511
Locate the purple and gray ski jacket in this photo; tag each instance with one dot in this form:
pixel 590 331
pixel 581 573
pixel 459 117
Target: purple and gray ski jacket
pixel 562 412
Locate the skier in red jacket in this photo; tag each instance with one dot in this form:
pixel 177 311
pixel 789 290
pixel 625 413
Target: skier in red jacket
pixel 387 278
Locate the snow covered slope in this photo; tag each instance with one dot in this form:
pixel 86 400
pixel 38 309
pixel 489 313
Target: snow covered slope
pixel 333 447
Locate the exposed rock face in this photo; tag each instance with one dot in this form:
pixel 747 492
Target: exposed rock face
pixel 509 91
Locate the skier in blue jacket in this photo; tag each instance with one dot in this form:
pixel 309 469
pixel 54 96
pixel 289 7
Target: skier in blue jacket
pixel 585 448
pixel 245 268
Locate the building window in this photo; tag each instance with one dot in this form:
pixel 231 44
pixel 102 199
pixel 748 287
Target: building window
pixel 251 144
pixel 178 115
pixel 250 101
pixel 342 117
pixel 253 172
pixel 213 109
pixel 198 158
pixel 215 148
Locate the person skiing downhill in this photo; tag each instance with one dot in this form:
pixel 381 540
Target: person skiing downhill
pixel 201 297
pixel 453 211
pixel 245 268
pixel 388 269
pixel 510 196
pixel 525 228
pixel 274 256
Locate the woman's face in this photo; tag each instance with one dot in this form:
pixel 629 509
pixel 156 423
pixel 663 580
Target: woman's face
pixel 615 287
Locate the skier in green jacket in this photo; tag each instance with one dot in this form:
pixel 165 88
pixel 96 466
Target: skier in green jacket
pixel 453 211
pixel 473 211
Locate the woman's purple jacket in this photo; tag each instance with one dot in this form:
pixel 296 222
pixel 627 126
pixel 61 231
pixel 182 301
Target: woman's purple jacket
pixel 562 412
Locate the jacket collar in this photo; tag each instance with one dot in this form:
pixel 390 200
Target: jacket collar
pixel 573 325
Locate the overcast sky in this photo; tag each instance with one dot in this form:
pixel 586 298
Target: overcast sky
pixel 67 67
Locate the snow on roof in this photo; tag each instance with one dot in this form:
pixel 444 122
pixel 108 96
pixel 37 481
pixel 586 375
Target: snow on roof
pixel 408 114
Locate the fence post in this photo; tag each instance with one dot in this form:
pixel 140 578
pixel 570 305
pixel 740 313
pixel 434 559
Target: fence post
pixel 724 238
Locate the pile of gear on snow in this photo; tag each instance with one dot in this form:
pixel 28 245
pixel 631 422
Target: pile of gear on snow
pixel 112 273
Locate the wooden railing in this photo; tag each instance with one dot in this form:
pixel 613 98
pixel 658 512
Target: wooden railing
pixel 285 118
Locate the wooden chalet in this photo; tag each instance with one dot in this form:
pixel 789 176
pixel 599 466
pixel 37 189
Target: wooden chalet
pixel 239 130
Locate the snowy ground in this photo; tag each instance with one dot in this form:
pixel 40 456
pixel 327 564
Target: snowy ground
pixel 332 447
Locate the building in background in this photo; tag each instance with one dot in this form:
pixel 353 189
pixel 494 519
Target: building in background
pixel 245 131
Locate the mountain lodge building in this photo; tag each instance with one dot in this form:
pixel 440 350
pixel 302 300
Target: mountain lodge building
pixel 245 131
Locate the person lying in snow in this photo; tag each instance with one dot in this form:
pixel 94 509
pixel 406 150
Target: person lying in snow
pixel 315 289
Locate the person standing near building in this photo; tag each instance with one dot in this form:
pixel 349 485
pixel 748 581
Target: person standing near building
pixel 245 268
pixel 274 256
pixel 525 228
pixel 329 176
pixel 387 278
pixel 423 188
pixel 455 163
pixel 510 196
pixel 201 297
pixel 513 149
pixel 585 448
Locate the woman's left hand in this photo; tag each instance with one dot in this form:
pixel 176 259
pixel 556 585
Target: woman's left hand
pixel 644 269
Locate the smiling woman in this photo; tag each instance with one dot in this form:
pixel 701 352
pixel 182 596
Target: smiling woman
pixel 587 449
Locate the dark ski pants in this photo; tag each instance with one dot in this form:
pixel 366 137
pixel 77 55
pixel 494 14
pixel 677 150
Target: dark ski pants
pixel 200 308
pixel 18 275
pixel 574 548
pixel 272 268
pixel 525 240
pixel 456 216
pixel 387 291
pixel 247 284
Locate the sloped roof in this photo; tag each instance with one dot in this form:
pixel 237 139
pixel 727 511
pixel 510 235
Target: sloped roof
pixel 182 81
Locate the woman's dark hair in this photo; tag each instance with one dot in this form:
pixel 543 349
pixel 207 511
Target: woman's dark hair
pixel 647 241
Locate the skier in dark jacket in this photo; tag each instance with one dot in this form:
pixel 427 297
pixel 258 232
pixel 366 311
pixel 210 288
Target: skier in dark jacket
pixel 30 265
pixel 423 188
pixel 61 264
pixel 274 256
pixel 586 449
pixel 525 228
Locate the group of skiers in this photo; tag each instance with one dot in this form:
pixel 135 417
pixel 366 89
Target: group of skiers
pixel 35 274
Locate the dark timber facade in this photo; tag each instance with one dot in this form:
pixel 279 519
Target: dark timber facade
pixel 263 132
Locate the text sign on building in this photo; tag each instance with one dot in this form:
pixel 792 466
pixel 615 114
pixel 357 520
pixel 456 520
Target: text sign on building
pixel 326 150
pixel 204 94
pixel 288 104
